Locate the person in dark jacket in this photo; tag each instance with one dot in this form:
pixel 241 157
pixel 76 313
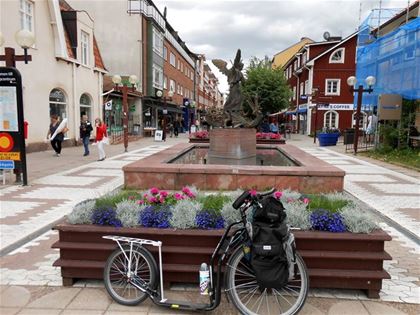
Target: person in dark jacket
pixel 265 126
pixel 85 130
pixel 59 138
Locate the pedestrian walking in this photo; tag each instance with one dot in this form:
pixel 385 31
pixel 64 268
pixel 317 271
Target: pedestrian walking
pixel 177 125
pixel 56 143
pixel 101 138
pixel 85 130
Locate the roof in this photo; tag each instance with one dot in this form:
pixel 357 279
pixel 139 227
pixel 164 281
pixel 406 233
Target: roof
pixel 64 6
pixel 310 62
pixel 401 14
pixel 282 57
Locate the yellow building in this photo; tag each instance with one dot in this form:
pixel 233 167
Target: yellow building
pixel 283 56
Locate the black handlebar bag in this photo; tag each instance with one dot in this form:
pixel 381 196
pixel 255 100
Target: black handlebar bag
pixel 268 256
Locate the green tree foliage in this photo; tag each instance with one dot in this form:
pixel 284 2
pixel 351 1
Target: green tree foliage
pixel 266 83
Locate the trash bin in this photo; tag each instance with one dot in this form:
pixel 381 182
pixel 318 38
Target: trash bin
pixel 349 136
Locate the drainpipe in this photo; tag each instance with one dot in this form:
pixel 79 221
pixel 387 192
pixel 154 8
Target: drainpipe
pixel 297 100
pixel 75 107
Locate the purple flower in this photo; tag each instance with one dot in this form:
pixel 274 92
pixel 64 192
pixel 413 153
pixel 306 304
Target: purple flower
pixel 323 220
pixel 207 220
pixel 154 216
pixel 105 216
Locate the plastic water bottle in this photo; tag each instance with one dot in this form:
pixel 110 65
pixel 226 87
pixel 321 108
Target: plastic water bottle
pixel 204 279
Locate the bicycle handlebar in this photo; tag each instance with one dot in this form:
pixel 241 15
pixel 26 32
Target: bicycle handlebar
pixel 247 195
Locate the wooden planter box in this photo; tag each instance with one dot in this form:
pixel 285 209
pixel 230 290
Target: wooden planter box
pixel 259 141
pixel 334 260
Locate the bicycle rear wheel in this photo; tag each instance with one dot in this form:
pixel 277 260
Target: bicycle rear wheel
pixel 118 277
pixel 245 294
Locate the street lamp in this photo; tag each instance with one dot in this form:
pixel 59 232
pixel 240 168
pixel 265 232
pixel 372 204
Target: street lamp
pixel 352 82
pixel 123 88
pixel 24 39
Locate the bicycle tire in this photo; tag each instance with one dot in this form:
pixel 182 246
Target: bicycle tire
pixel 142 253
pixel 233 294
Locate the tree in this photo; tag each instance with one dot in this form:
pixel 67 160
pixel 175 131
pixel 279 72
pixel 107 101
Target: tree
pixel 268 84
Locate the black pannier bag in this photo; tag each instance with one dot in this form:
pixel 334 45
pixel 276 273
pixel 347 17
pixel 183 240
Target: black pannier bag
pixel 268 256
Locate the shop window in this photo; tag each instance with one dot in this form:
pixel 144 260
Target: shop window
pixel 337 56
pixel 331 119
pixel 86 105
pixel 58 103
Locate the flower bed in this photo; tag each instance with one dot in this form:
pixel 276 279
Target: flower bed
pixel 262 137
pixel 341 245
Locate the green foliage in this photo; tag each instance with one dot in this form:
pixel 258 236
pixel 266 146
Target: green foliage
pixel 111 199
pixel 184 213
pixel 331 203
pixel 357 220
pixel 128 212
pixel 298 215
pixel 268 84
pixel 82 213
pixel 213 202
pixel 405 157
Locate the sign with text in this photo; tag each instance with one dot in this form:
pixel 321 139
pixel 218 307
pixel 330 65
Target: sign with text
pixel 12 137
pixel 335 106
pixel 158 135
pixel 108 105
pixel 389 106
pixel 7 165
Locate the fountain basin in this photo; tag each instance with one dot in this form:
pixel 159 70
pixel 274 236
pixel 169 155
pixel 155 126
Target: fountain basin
pixel 308 175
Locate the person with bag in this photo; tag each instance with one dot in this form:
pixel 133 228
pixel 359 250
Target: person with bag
pixel 56 142
pixel 85 130
pixel 101 138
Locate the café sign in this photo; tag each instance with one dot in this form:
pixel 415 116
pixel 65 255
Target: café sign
pixel 335 106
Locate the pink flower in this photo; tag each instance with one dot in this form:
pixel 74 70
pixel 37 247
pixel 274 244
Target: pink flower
pixel 154 191
pixel 162 199
pixel 178 196
pixel 186 190
pixel 152 199
pixel 140 202
pixel 306 200
pixel 290 200
pixel 145 195
pixel 190 195
pixel 278 194
pixel 253 192
pixel 164 194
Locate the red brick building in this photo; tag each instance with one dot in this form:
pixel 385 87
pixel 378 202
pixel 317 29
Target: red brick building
pixel 317 75
pixel 208 93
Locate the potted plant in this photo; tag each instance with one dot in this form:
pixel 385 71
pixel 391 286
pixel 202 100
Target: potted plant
pixel 341 245
pixel 328 136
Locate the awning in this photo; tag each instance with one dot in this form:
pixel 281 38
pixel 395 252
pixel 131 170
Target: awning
pixel 278 113
pixel 290 113
pixel 302 110
pixel 156 103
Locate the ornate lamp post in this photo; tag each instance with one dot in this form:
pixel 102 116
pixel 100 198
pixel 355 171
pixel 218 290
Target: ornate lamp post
pixel 26 40
pixel 123 88
pixel 165 100
pixel 352 81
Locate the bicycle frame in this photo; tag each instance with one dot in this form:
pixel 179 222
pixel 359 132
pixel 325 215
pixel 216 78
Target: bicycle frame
pixel 157 296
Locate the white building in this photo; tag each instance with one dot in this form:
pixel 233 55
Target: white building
pixel 65 76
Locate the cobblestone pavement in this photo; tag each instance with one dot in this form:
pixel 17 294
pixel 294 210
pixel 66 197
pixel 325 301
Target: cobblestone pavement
pixel 27 210
pixel 95 301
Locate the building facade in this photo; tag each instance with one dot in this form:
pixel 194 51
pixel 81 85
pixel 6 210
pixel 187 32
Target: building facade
pixel 65 75
pixel 282 57
pixel 317 75
pixel 209 95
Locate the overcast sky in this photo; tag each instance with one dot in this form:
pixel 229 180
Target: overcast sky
pixel 259 27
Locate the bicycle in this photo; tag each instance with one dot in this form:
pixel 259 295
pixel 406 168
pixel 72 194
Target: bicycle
pixel 131 273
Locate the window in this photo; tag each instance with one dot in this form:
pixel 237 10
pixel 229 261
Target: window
pixel 84 40
pixel 172 85
pixel 301 89
pixel 181 90
pixel 182 67
pixel 294 93
pixel 331 119
pixel 304 57
pixel 298 62
pixel 192 75
pixel 58 103
pixel 86 105
pixel 157 76
pixel 172 59
pixel 165 82
pixel 332 87
pixel 157 42
pixel 307 87
pixel 295 65
pixel 337 56
pixel 179 64
pixel 26 15
pixel 165 53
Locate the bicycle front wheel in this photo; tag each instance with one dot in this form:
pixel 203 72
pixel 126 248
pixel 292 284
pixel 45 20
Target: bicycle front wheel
pixel 118 276
pixel 249 298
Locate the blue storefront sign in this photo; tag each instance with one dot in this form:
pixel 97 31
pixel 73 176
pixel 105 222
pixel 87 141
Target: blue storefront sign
pixel 7 165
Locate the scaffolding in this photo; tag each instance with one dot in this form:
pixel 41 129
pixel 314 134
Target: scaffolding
pixel 393 58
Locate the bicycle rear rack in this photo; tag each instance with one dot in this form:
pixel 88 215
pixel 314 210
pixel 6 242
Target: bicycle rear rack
pixel 141 242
